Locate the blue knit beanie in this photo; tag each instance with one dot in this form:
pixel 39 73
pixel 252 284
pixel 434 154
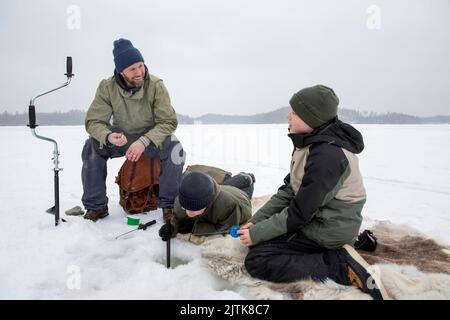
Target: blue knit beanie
pixel 125 54
pixel 197 191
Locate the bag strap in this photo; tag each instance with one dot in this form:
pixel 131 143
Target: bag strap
pixel 133 173
pixel 152 163
pixel 150 189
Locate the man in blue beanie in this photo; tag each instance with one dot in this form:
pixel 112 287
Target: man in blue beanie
pixel 143 122
pixel 203 207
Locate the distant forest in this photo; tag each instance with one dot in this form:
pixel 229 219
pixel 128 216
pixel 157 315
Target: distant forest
pixel 76 117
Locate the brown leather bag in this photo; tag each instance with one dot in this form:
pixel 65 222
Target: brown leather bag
pixel 139 184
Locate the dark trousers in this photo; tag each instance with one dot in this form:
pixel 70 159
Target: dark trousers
pixel 94 170
pixel 241 182
pixel 295 257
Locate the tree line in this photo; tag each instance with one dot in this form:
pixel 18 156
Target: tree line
pixel 76 117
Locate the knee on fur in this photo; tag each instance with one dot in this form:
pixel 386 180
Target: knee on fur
pixel 256 264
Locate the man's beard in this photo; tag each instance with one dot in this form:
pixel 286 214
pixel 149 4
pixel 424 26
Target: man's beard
pixel 134 83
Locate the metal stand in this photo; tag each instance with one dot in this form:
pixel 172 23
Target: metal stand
pixel 32 119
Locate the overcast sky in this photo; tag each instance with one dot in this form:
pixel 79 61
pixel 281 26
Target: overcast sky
pixel 233 57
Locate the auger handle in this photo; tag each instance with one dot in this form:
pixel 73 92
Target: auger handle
pixel 69 73
pixel 32 117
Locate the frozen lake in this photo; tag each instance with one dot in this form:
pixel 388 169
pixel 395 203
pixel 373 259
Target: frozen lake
pixel 406 172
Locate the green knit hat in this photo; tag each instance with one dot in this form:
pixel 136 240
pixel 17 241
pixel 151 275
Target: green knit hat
pixel 315 105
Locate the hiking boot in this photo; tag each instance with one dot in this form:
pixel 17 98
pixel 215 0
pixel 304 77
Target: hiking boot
pixel 94 215
pixel 360 275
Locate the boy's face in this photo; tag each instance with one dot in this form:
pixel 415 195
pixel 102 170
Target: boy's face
pixel 296 124
pixel 193 214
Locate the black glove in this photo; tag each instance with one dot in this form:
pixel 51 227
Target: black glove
pixel 366 241
pixel 166 231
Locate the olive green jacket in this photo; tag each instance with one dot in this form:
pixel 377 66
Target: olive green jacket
pixel 323 195
pixel 231 207
pixel 147 111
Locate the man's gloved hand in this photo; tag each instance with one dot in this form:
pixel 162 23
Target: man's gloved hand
pixel 166 231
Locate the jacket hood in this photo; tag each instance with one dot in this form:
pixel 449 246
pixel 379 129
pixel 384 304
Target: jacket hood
pixel 334 132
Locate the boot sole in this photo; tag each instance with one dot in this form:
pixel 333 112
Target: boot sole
pixel 98 218
pixel 360 260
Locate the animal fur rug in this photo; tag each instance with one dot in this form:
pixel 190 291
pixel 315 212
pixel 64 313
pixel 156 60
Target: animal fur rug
pixel 410 265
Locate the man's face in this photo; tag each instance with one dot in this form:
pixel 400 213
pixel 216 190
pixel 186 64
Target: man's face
pixel 296 124
pixel 134 74
pixel 193 214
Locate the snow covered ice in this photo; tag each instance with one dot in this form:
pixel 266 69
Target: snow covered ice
pixel 406 170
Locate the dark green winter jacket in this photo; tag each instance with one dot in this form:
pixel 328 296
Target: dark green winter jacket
pixel 231 207
pixel 147 111
pixel 323 195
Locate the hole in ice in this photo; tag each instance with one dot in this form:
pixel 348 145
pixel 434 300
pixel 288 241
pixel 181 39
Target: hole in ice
pixel 174 261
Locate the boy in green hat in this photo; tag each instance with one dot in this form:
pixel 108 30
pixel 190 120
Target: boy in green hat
pixel 308 228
